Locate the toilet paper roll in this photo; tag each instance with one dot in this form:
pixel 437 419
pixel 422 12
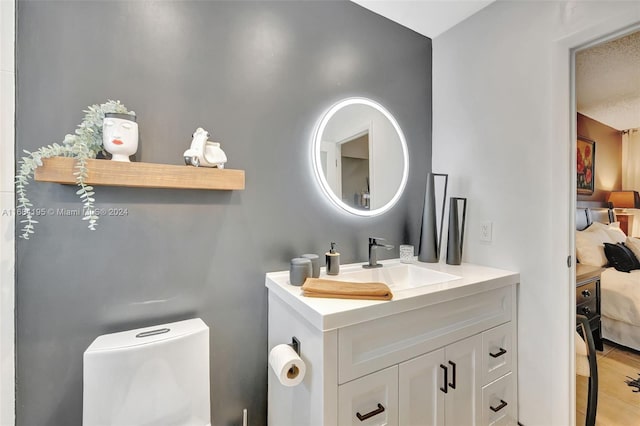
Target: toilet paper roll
pixel 287 365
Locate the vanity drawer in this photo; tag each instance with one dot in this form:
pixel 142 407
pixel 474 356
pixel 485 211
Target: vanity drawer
pixel 370 400
pixel 373 345
pixel 587 292
pixel 497 350
pixel 499 402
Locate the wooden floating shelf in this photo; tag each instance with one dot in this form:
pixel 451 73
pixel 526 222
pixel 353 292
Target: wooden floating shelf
pixel 140 175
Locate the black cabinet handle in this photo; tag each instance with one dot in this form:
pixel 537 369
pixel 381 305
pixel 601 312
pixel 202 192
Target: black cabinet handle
pixel 363 417
pixel 496 355
pixel 499 407
pixel 444 389
pixel 586 310
pixel 452 385
pixel 586 293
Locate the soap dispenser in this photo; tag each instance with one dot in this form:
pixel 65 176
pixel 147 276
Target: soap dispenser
pixel 333 260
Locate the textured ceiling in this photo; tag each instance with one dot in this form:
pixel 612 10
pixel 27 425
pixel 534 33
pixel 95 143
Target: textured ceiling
pixel 427 17
pixel 608 82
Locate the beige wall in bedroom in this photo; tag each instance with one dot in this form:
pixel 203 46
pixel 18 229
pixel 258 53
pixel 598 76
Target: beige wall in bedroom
pixel 608 157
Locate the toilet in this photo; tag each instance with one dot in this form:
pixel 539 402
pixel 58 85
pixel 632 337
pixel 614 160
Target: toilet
pixel 150 376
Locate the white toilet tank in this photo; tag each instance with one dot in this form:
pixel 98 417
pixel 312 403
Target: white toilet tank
pixel 151 376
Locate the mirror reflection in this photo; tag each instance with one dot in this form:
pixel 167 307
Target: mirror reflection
pixel 361 157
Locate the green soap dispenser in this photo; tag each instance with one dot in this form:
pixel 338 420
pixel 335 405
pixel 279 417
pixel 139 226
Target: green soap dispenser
pixel 333 260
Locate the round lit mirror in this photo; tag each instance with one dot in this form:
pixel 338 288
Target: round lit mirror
pixel 360 157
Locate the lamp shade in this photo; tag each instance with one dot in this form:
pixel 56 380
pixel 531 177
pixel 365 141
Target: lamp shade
pixel 624 199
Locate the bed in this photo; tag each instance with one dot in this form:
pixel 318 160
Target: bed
pixel 619 291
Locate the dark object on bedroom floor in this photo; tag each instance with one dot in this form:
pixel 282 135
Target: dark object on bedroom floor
pixel 621 257
pixel 634 383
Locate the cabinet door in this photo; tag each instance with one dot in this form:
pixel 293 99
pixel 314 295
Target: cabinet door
pixel 370 400
pixel 421 401
pixel 464 396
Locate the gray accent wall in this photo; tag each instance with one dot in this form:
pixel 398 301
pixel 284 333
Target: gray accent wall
pixel 257 75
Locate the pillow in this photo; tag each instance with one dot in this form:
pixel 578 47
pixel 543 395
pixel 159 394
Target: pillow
pixel 597 225
pixel 616 235
pixel 590 248
pixel 634 245
pixel 621 257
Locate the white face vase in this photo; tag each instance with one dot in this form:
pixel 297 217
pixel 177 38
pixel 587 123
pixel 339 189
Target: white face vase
pixel 120 135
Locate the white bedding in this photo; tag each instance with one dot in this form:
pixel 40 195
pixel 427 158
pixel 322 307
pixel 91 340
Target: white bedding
pixel 620 295
pixel 620 305
pixel 620 332
pixel 620 291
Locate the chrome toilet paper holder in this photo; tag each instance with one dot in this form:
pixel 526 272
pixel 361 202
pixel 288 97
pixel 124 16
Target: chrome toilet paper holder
pixel 295 344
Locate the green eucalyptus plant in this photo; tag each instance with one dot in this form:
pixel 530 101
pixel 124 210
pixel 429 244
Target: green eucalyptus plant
pixel 84 144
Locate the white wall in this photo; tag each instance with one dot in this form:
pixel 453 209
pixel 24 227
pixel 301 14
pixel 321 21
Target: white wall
pixel 502 130
pixel 7 255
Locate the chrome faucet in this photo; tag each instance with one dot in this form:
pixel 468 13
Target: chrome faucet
pixel 373 254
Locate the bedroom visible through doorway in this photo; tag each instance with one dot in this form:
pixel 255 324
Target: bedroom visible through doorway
pixel 607 99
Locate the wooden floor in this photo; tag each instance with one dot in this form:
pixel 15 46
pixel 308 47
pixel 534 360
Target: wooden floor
pixel 617 403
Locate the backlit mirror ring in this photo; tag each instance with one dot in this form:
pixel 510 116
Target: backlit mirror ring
pixel 317 162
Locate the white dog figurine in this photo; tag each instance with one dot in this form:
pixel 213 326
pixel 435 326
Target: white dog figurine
pixel 204 152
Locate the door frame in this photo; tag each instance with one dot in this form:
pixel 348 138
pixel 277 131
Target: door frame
pixel 564 197
pixel 7 204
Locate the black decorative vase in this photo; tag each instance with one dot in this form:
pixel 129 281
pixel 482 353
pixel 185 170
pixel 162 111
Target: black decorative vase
pixel 431 233
pixel 455 237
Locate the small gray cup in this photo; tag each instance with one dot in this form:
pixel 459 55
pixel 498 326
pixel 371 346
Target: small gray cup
pixel 299 271
pixel 315 264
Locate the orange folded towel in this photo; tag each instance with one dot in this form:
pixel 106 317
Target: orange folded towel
pixel 316 287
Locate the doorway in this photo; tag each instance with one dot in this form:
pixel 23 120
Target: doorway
pixel 355 170
pixel 599 117
pixel 348 168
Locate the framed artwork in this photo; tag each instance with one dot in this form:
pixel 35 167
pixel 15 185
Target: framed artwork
pixel 586 157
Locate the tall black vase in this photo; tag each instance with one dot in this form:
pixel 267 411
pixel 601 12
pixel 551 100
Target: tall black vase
pixel 431 233
pixel 455 237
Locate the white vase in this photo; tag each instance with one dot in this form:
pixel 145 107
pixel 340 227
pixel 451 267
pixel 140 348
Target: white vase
pixel 120 135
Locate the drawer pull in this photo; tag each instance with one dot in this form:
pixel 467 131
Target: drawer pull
pixel 446 381
pixel 375 412
pixel 496 355
pixel 586 293
pixel 499 407
pixel 586 310
pixel 452 385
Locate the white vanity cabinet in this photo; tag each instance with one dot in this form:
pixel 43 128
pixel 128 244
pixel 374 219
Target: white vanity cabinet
pixel 433 356
pixel 370 400
pixel 441 387
pixel 446 386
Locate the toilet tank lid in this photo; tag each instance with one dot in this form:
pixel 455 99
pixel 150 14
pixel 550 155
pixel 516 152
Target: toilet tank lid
pixel 147 335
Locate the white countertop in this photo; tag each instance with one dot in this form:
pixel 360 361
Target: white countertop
pixel 329 314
